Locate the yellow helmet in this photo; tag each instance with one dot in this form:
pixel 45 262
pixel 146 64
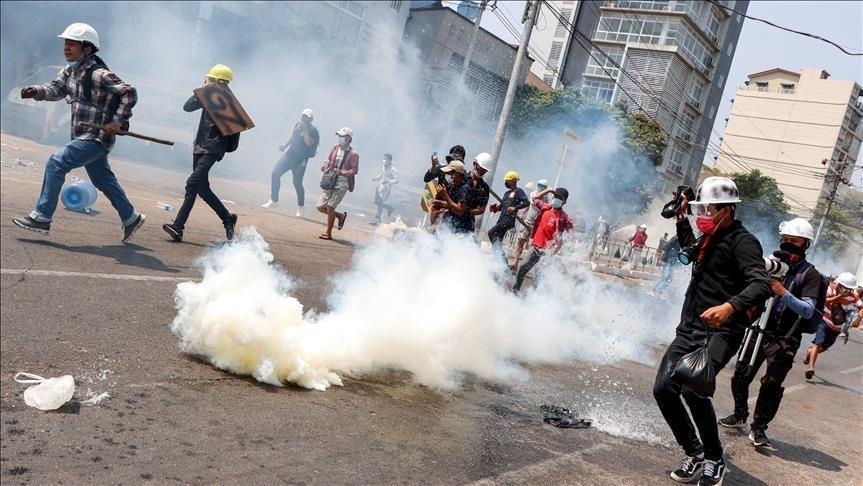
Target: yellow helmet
pixel 220 71
pixel 511 176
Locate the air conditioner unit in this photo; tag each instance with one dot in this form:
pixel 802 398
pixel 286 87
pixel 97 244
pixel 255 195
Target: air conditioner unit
pixel 697 105
pixel 687 136
pixel 715 39
pixel 706 71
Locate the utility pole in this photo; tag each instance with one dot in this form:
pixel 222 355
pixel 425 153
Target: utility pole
pixel 459 89
pixel 531 11
pixel 838 177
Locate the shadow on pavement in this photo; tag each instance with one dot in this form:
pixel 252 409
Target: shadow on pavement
pixel 803 455
pixel 126 254
pixel 735 475
pixel 823 382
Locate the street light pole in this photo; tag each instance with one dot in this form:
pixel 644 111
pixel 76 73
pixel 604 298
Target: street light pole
pixel 838 178
pixel 503 122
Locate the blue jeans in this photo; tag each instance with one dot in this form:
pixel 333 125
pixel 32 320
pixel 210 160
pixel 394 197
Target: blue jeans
pixel 298 170
pixel 91 155
pixel 665 278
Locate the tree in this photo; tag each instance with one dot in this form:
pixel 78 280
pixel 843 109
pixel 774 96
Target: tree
pixel 762 205
pixel 620 181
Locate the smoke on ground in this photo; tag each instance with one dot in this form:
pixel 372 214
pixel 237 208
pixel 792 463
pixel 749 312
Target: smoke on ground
pixel 437 307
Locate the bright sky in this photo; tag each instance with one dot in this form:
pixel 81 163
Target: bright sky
pixel 763 47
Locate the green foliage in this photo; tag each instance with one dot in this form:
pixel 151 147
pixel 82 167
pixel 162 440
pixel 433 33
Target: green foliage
pixel 760 191
pixel 536 111
pixel 839 235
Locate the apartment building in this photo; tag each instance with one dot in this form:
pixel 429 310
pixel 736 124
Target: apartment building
pixel 550 40
pixel 800 128
pixel 667 58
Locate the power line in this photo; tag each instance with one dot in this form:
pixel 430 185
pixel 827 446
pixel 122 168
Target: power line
pixel 787 29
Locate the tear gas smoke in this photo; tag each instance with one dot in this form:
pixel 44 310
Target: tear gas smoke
pixel 433 306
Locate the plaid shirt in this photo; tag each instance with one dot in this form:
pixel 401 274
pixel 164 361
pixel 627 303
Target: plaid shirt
pixel 108 90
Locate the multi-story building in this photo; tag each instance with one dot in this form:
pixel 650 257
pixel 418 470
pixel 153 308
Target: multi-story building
pixel 801 129
pixel 667 58
pixel 441 37
pixel 550 41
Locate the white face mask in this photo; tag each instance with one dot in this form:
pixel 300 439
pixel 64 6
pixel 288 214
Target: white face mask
pixel 343 140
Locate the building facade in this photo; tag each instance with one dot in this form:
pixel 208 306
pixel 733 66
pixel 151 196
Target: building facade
pixel 441 37
pixel 802 129
pixel 550 41
pixel 669 59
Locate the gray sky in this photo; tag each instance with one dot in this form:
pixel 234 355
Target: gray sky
pixel 762 47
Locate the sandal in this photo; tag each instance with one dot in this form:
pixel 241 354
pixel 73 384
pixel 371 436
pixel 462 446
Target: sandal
pixel 325 237
pixel 342 222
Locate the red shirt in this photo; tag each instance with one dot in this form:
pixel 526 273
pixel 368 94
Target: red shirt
pixel 549 224
pixel 639 238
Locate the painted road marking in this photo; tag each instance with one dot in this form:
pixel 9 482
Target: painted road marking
pixel 851 370
pixel 108 276
pixel 790 389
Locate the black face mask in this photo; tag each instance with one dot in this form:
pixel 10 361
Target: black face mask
pixel 789 247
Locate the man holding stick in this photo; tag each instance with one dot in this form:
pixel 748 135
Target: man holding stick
pixel 98 98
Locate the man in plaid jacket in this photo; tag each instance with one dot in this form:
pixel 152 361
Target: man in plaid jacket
pixel 98 97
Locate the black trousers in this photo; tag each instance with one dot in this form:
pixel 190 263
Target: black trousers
pixel 298 171
pixel 198 184
pixel 496 234
pixel 668 392
pixel 779 355
pixel 525 267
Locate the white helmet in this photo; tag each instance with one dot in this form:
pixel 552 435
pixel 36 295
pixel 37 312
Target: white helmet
pixel 82 33
pixel 717 190
pixel 642 226
pixel 797 227
pixel 529 186
pixel 484 160
pixel 542 182
pixel 847 280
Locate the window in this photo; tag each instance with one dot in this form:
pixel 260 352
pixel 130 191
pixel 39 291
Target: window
pixel 721 82
pixel 561 30
pixel 602 90
pixel 605 64
pixel 675 162
pixel 713 24
pixel 730 49
pixel 787 88
pixel 696 89
pixel 761 85
pixel 712 112
pixel 396 5
pixel 684 125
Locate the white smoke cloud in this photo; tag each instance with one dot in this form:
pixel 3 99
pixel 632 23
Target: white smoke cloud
pixel 435 306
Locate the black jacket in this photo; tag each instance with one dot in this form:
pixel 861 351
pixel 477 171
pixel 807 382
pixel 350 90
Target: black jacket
pixel 208 140
pixel 732 271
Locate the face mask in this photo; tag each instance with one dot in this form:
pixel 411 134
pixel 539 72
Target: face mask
pixel 557 203
pixel 705 224
pixel 343 140
pixel 791 248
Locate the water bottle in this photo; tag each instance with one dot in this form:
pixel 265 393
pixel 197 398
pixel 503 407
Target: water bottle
pixel 79 195
pixel 165 206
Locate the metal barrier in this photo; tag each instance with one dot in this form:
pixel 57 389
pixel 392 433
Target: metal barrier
pixel 623 254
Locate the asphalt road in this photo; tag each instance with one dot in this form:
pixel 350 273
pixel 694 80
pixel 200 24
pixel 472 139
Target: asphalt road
pixel 80 302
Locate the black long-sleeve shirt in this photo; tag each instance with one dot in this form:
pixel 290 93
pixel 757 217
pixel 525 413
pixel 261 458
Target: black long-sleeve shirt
pixel 208 140
pixel 732 270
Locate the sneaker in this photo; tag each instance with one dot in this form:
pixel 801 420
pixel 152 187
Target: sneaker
pixel 130 230
pixel 31 224
pixel 689 469
pixel 175 232
pixel 759 438
pixel 270 204
pixel 713 473
pixel 299 212
pixel 229 227
pixel 733 421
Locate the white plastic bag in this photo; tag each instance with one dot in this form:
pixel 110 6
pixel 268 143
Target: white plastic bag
pixel 49 393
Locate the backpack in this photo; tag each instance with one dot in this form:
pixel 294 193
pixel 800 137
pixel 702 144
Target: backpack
pixel 809 326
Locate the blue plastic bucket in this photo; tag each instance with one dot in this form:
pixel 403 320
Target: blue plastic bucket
pixel 78 196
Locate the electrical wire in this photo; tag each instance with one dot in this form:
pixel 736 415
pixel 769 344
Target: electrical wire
pixel 787 29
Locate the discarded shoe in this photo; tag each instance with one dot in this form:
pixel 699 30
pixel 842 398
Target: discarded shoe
pixel 563 418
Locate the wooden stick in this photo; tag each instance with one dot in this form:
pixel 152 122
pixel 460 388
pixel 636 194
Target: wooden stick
pixel 131 134
pixel 516 215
